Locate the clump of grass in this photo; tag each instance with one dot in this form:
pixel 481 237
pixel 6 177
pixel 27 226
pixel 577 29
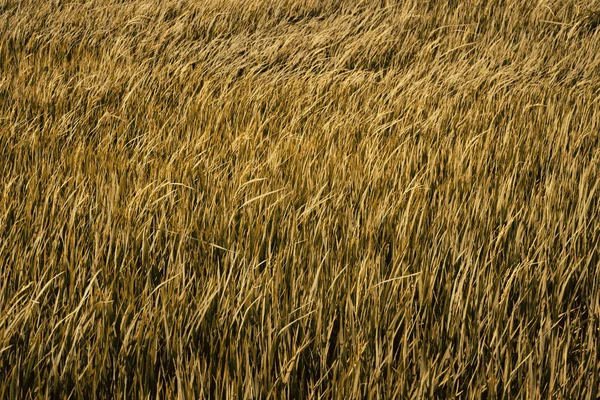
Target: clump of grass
pixel 591 19
pixel 298 199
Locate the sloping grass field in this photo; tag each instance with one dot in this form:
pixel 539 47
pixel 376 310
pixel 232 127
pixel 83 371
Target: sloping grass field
pixel 299 199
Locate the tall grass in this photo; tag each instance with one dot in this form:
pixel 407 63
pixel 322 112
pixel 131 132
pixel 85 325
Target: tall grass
pixel 299 198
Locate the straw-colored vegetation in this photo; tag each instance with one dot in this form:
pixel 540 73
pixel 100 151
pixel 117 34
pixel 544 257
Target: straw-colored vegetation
pixel 299 198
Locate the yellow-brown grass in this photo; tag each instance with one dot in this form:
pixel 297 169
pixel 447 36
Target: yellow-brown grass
pixel 299 198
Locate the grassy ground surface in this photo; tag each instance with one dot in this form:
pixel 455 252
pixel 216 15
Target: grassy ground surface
pixel 299 198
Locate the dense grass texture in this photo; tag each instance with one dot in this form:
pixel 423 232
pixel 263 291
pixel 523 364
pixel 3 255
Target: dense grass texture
pixel 299 199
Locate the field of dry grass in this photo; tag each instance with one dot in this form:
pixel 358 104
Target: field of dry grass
pixel 299 199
